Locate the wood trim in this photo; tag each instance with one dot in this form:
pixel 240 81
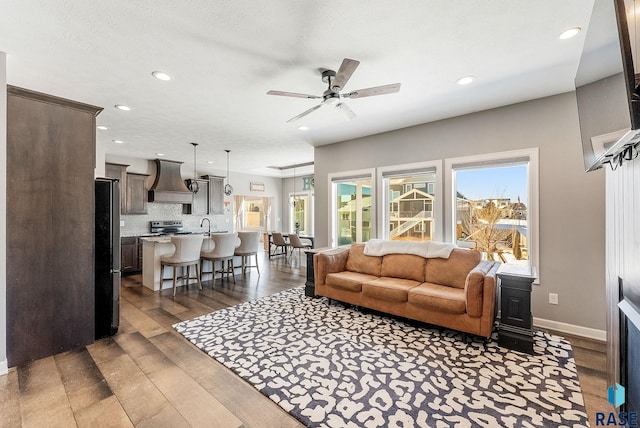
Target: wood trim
pixel 51 99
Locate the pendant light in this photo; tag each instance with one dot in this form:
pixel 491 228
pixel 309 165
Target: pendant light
pixel 294 199
pixel 228 190
pixel 192 184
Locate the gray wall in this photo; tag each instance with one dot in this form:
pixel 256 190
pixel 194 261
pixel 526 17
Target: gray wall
pixel 3 213
pixel 572 215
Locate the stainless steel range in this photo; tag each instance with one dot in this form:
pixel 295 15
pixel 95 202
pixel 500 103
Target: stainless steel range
pixel 168 227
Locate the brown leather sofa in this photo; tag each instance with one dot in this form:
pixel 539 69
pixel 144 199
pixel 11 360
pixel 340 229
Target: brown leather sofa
pixel 458 292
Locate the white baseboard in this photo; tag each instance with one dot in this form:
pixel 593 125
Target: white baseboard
pixel 4 367
pixel 590 333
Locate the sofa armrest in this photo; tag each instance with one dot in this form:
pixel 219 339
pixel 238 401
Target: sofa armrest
pixel 480 288
pixel 329 262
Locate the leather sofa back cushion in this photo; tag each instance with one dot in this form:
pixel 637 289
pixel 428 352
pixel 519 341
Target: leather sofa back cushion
pixel 358 262
pixel 454 270
pixel 405 266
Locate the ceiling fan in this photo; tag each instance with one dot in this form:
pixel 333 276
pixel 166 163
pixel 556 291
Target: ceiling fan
pixel 336 82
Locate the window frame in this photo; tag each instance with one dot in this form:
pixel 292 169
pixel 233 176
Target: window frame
pixel 308 195
pixel 382 209
pixel 496 159
pixel 337 177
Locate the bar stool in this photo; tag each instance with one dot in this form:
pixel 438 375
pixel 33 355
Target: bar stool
pixel 186 254
pixel 224 245
pixel 249 242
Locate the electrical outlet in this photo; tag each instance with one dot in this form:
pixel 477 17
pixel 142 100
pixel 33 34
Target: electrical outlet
pixel 553 298
pixel 121 223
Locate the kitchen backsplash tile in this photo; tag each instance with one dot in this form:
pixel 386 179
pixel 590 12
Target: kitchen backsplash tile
pixel 135 225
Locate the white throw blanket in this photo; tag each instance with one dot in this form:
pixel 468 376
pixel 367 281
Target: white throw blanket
pixel 427 249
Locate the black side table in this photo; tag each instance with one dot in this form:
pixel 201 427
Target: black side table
pixel 515 329
pixel 310 284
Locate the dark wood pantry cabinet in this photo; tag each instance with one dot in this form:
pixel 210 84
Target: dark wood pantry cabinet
pixel 50 224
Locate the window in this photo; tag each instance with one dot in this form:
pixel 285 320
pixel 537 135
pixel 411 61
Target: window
pixel 494 205
pixel 352 214
pixel 300 213
pixel 409 204
pixel 253 212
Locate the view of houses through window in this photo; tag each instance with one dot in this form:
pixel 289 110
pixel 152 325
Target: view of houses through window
pixel 353 206
pixel 411 201
pixel 491 211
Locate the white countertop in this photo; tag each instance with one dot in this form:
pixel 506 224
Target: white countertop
pixel 167 238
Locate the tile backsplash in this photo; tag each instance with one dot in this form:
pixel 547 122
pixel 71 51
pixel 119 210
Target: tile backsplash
pixel 139 224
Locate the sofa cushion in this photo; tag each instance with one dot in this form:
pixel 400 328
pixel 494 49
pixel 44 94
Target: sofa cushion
pixel 405 266
pixel 437 297
pixel 454 270
pixel 350 281
pixel 359 262
pixel 392 289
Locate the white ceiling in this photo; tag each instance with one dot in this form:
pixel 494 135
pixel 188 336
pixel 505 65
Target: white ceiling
pixel 225 55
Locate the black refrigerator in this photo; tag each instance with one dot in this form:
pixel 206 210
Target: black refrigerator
pixel 107 253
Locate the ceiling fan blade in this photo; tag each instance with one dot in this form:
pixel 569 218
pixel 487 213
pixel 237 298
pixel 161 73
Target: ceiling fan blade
pixel 304 113
pixel 344 109
pixel 293 94
pixel 344 73
pixel 376 90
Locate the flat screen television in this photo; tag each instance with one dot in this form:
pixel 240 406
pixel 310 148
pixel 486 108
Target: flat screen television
pixel 607 92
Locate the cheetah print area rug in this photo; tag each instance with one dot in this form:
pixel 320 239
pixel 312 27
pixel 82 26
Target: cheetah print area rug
pixel 334 366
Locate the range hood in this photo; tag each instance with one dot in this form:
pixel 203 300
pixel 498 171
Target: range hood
pixel 168 186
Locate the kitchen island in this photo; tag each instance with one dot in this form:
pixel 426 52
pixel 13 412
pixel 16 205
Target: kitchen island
pixel 153 248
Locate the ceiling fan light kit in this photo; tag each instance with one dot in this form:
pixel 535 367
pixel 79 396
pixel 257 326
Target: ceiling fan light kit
pixel 335 83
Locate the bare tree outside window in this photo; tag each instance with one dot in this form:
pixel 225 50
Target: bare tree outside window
pixel 494 225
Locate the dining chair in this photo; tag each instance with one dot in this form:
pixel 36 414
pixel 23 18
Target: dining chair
pixel 296 243
pixel 279 242
pixel 249 242
pixel 220 248
pixel 185 254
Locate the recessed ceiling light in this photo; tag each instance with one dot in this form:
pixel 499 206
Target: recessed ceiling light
pixel 465 80
pixel 303 128
pixel 209 162
pixel 159 154
pixel 123 107
pixel 102 127
pixel 569 33
pixel 161 75
pixel 118 141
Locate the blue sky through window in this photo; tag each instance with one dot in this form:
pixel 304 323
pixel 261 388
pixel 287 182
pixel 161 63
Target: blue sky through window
pixel 494 182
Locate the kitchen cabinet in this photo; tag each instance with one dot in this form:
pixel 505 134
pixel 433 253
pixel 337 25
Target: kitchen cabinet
pixel 118 171
pixel 136 193
pixel 50 225
pixel 130 255
pixel 133 188
pixel 216 194
pixel 200 204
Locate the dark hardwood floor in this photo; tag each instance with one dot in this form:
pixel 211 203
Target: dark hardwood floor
pixel 150 376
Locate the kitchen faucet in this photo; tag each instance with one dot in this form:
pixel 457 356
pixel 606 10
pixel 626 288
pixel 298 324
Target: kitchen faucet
pixel 209 223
